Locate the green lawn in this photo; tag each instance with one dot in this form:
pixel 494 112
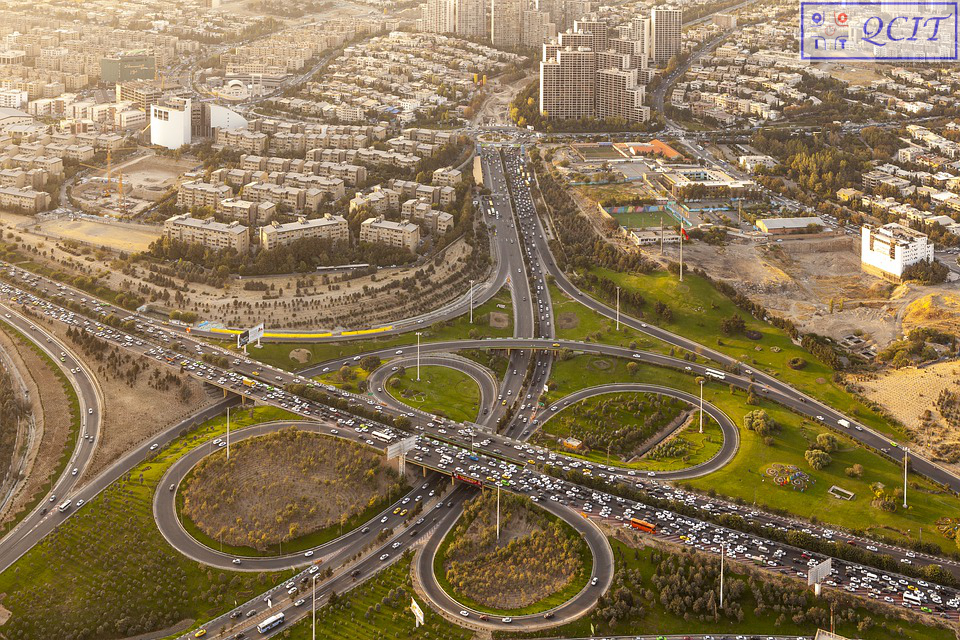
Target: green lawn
pixel 107 571
pixel 573 321
pixel 75 421
pixel 441 390
pixel 744 476
pixel 698 308
pixel 378 609
pixel 635 572
pixel 355 376
pixel 278 353
pixel 553 600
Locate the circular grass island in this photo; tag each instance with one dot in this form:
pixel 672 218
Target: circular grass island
pixel 284 492
pixel 539 563
pixel 442 391
pixel 634 430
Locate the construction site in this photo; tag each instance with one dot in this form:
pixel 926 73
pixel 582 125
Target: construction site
pixel 127 188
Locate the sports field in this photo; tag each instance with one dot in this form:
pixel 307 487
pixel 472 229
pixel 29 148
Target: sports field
pixel 645 219
pixel 595 152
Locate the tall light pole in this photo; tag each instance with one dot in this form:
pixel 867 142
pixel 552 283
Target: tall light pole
pixel 471 301
pixel 618 308
pixel 314 615
pixel 418 355
pixel 722 554
pixel 228 433
pixel 701 380
pixel 905 452
pixel 498 513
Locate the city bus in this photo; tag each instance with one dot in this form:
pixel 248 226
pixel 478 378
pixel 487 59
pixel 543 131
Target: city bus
pixel 912 598
pixel 713 373
pixel 64 506
pixel 271 623
pixel 643 525
pixel 380 435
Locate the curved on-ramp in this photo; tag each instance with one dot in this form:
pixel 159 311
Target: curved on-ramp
pixel 484 377
pixel 731 435
pixel 582 603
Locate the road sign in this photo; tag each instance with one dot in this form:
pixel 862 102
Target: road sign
pixel 819 572
pixel 417 612
pixel 247 336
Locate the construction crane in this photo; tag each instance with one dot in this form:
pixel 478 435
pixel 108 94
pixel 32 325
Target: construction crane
pixel 107 190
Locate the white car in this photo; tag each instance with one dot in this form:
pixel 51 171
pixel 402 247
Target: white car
pixel 308 554
pixel 384 557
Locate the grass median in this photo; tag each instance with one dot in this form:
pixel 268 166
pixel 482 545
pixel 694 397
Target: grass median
pixel 441 391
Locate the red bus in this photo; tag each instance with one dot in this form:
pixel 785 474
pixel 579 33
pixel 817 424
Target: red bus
pixel 643 525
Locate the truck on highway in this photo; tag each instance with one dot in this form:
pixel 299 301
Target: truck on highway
pixel 843 422
pixel 247 382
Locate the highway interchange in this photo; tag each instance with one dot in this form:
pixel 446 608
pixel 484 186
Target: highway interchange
pixel 523 262
pixel 447 448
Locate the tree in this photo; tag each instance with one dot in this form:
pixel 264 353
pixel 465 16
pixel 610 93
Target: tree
pixel 760 422
pixel 818 459
pixel 827 442
pixel 632 368
pixel 855 471
pixel 732 325
pixel 370 363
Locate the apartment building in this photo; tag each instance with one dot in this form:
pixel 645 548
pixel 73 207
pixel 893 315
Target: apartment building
pixel 888 250
pixel 253 142
pixel 439 16
pixel 24 199
pixel 208 232
pixel 447 177
pixel 142 93
pixel 471 19
pixel 665 27
pixel 198 193
pixel 327 227
pixel 252 213
pixel 380 201
pixel 422 211
pixel 394 234
pixel 506 23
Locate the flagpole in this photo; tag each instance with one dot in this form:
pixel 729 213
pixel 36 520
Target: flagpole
pixel 681 252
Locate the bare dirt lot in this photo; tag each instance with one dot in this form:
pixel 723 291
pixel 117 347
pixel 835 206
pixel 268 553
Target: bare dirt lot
pixel 115 236
pixel 140 398
pixel 908 394
pixel 53 417
pixel 818 284
pixel 283 485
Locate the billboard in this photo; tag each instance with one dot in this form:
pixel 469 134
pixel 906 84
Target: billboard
pixel 398 449
pixel 819 572
pixel 247 336
pixel 417 612
pixel 467 479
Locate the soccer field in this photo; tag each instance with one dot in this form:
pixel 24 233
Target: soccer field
pixel 643 220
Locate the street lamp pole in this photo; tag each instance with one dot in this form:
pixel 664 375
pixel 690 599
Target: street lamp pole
pixel 418 355
pixel 314 615
pixel 471 301
pixel 905 453
pixel 618 308
pixel 701 405
pixel 228 433
pixel 722 554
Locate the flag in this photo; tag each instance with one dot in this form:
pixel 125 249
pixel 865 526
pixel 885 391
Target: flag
pixel 684 232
